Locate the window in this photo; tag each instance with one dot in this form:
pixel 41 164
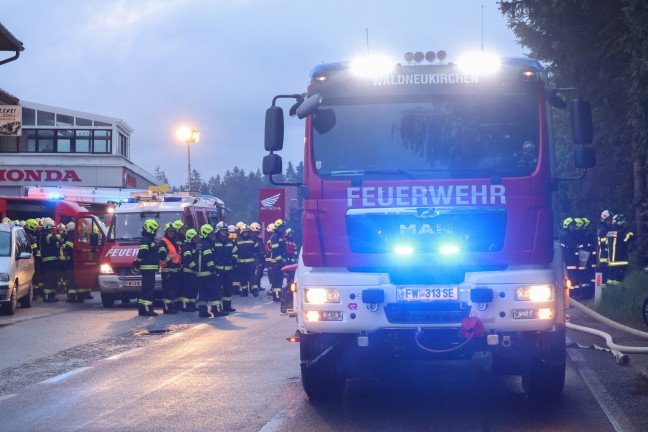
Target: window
pixel 102 141
pixel 8 144
pixel 123 145
pixel 82 141
pixel 59 141
pixel 83 122
pixel 45 118
pixel 64 120
pixel 100 123
pixel 64 140
pixel 28 117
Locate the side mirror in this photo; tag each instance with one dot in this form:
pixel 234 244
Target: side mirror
pixel 274 129
pixel 309 106
pixel 581 120
pixel 584 157
pixel 272 164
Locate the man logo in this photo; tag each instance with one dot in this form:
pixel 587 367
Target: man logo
pixel 270 201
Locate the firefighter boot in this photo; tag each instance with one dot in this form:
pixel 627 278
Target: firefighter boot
pixel 255 292
pixel 71 298
pixel 50 297
pixel 244 292
pixel 276 295
pixel 227 306
pixel 191 307
pixel 146 310
pixel 180 305
pixel 218 311
pixel 202 312
pixel 169 309
pixel 80 297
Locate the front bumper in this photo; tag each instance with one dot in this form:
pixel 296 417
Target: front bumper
pixel 130 284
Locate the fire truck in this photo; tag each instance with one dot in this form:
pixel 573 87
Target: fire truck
pixel 429 226
pixel 116 279
pixel 89 235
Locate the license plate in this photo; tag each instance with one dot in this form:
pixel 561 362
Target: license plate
pixel 427 293
pixel 133 283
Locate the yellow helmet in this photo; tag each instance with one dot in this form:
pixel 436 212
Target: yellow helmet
pixel 568 222
pixel 278 223
pixel 31 224
pixel 169 226
pixel 586 222
pixel 206 229
pixel 178 225
pixel 579 222
pixel 151 226
pixel 190 234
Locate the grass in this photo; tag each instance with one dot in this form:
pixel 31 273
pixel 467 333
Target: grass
pixel 623 302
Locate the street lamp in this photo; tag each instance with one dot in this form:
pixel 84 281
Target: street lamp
pixel 189 136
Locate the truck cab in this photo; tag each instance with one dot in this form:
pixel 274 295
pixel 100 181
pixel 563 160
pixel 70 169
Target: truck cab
pixel 116 279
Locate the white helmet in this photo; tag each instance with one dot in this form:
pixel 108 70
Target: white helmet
pixel 48 223
pixel 239 225
pixel 6 220
pixel 231 228
pixel 254 226
pixel 605 214
pixel 70 226
pixel 60 227
pixel 289 230
pixel 270 228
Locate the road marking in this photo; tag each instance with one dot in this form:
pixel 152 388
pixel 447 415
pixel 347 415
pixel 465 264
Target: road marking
pixel 261 305
pixel 7 396
pixel 619 421
pixel 124 354
pixel 275 423
pixel 58 378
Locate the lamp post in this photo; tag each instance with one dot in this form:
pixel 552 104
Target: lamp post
pixel 189 136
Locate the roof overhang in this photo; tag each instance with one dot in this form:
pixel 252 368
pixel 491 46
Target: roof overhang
pixel 8 42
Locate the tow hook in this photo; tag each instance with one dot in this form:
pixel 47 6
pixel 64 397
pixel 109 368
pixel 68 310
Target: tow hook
pixel 506 341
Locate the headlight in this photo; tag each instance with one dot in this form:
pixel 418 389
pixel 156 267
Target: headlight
pixel 106 269
pixel 534 293
pixel 4 277
pixel 322 296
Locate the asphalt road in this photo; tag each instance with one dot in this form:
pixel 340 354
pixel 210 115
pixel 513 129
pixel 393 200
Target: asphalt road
pixel 81 367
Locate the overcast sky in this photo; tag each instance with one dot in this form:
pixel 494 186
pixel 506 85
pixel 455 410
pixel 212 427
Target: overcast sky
pixel 216 64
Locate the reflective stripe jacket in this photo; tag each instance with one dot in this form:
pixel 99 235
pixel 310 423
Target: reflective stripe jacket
pixel 278 248
pixel 170 256
pixel 245 249
pixel 50 246
pixel 225 253
pixel 148 255
pixel 205 258
pixel 190 257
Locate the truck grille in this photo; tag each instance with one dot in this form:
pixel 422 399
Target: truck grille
pixel 426 313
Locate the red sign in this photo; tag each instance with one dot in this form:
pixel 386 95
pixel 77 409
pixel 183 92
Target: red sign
pixel 272 206
pixel 19 175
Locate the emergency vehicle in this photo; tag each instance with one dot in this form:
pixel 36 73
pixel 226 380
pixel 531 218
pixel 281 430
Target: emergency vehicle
pixel 428 223
pixel 89 233
pixel 116 279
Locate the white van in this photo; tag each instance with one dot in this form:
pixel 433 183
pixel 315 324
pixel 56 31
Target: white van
pixel 16 269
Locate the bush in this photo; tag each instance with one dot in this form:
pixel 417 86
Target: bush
pixel 623 302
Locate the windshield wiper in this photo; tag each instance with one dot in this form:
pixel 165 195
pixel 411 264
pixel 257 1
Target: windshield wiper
pixel 398 171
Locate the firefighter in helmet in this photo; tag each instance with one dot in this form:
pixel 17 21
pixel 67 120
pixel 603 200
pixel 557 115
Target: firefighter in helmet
pixel 246 264
pixel 619 239
pixel 279 258
pixel 148 263
pixel 181 231
pixel 268 256
pixel 170 269
pixel 205 270
pixel 259 255
pixel 50 251
pixel 225 258
pixel 602 251
pixel 190 257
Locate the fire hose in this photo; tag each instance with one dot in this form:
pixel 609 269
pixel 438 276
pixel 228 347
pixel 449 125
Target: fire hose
pixel 616 349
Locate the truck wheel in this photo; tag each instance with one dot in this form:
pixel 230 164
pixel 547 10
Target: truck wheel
pixel 107 300
pixel 321 379
pixel 645 310
pixel 545 374
pixel 9 307
pixel 26 301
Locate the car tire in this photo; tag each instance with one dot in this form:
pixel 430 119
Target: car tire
pixel 645 310
pixel 26 301
pixel 9 307
pixel 107 300
pixel 544 378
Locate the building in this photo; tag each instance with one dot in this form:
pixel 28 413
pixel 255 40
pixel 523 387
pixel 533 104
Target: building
pixel 62 147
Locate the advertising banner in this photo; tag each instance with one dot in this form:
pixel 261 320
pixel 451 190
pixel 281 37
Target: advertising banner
pixel 10 120
pixel 272 206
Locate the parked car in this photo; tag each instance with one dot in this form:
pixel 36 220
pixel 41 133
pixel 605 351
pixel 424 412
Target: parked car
pixel 16 269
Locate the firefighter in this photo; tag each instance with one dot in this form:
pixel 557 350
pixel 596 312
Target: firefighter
pixel 259 255
pixel 291 253
pixel 181 231
pixel 65 264
pixel 268 256
pixel 619 238
pixel 225 258
pixel 234 233
pixel 189 265
pixel 602 246
pixel 148 263
pixel 170 269
pixel 245 266
pixel 50 250
pixel 279 257
pixel 31 229
pixel 206 270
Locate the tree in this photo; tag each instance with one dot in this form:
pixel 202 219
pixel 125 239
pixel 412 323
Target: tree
pixel 601 47
pixel 160 175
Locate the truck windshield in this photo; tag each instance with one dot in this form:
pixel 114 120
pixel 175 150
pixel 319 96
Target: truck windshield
pixel 128 226
pixel 438 136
